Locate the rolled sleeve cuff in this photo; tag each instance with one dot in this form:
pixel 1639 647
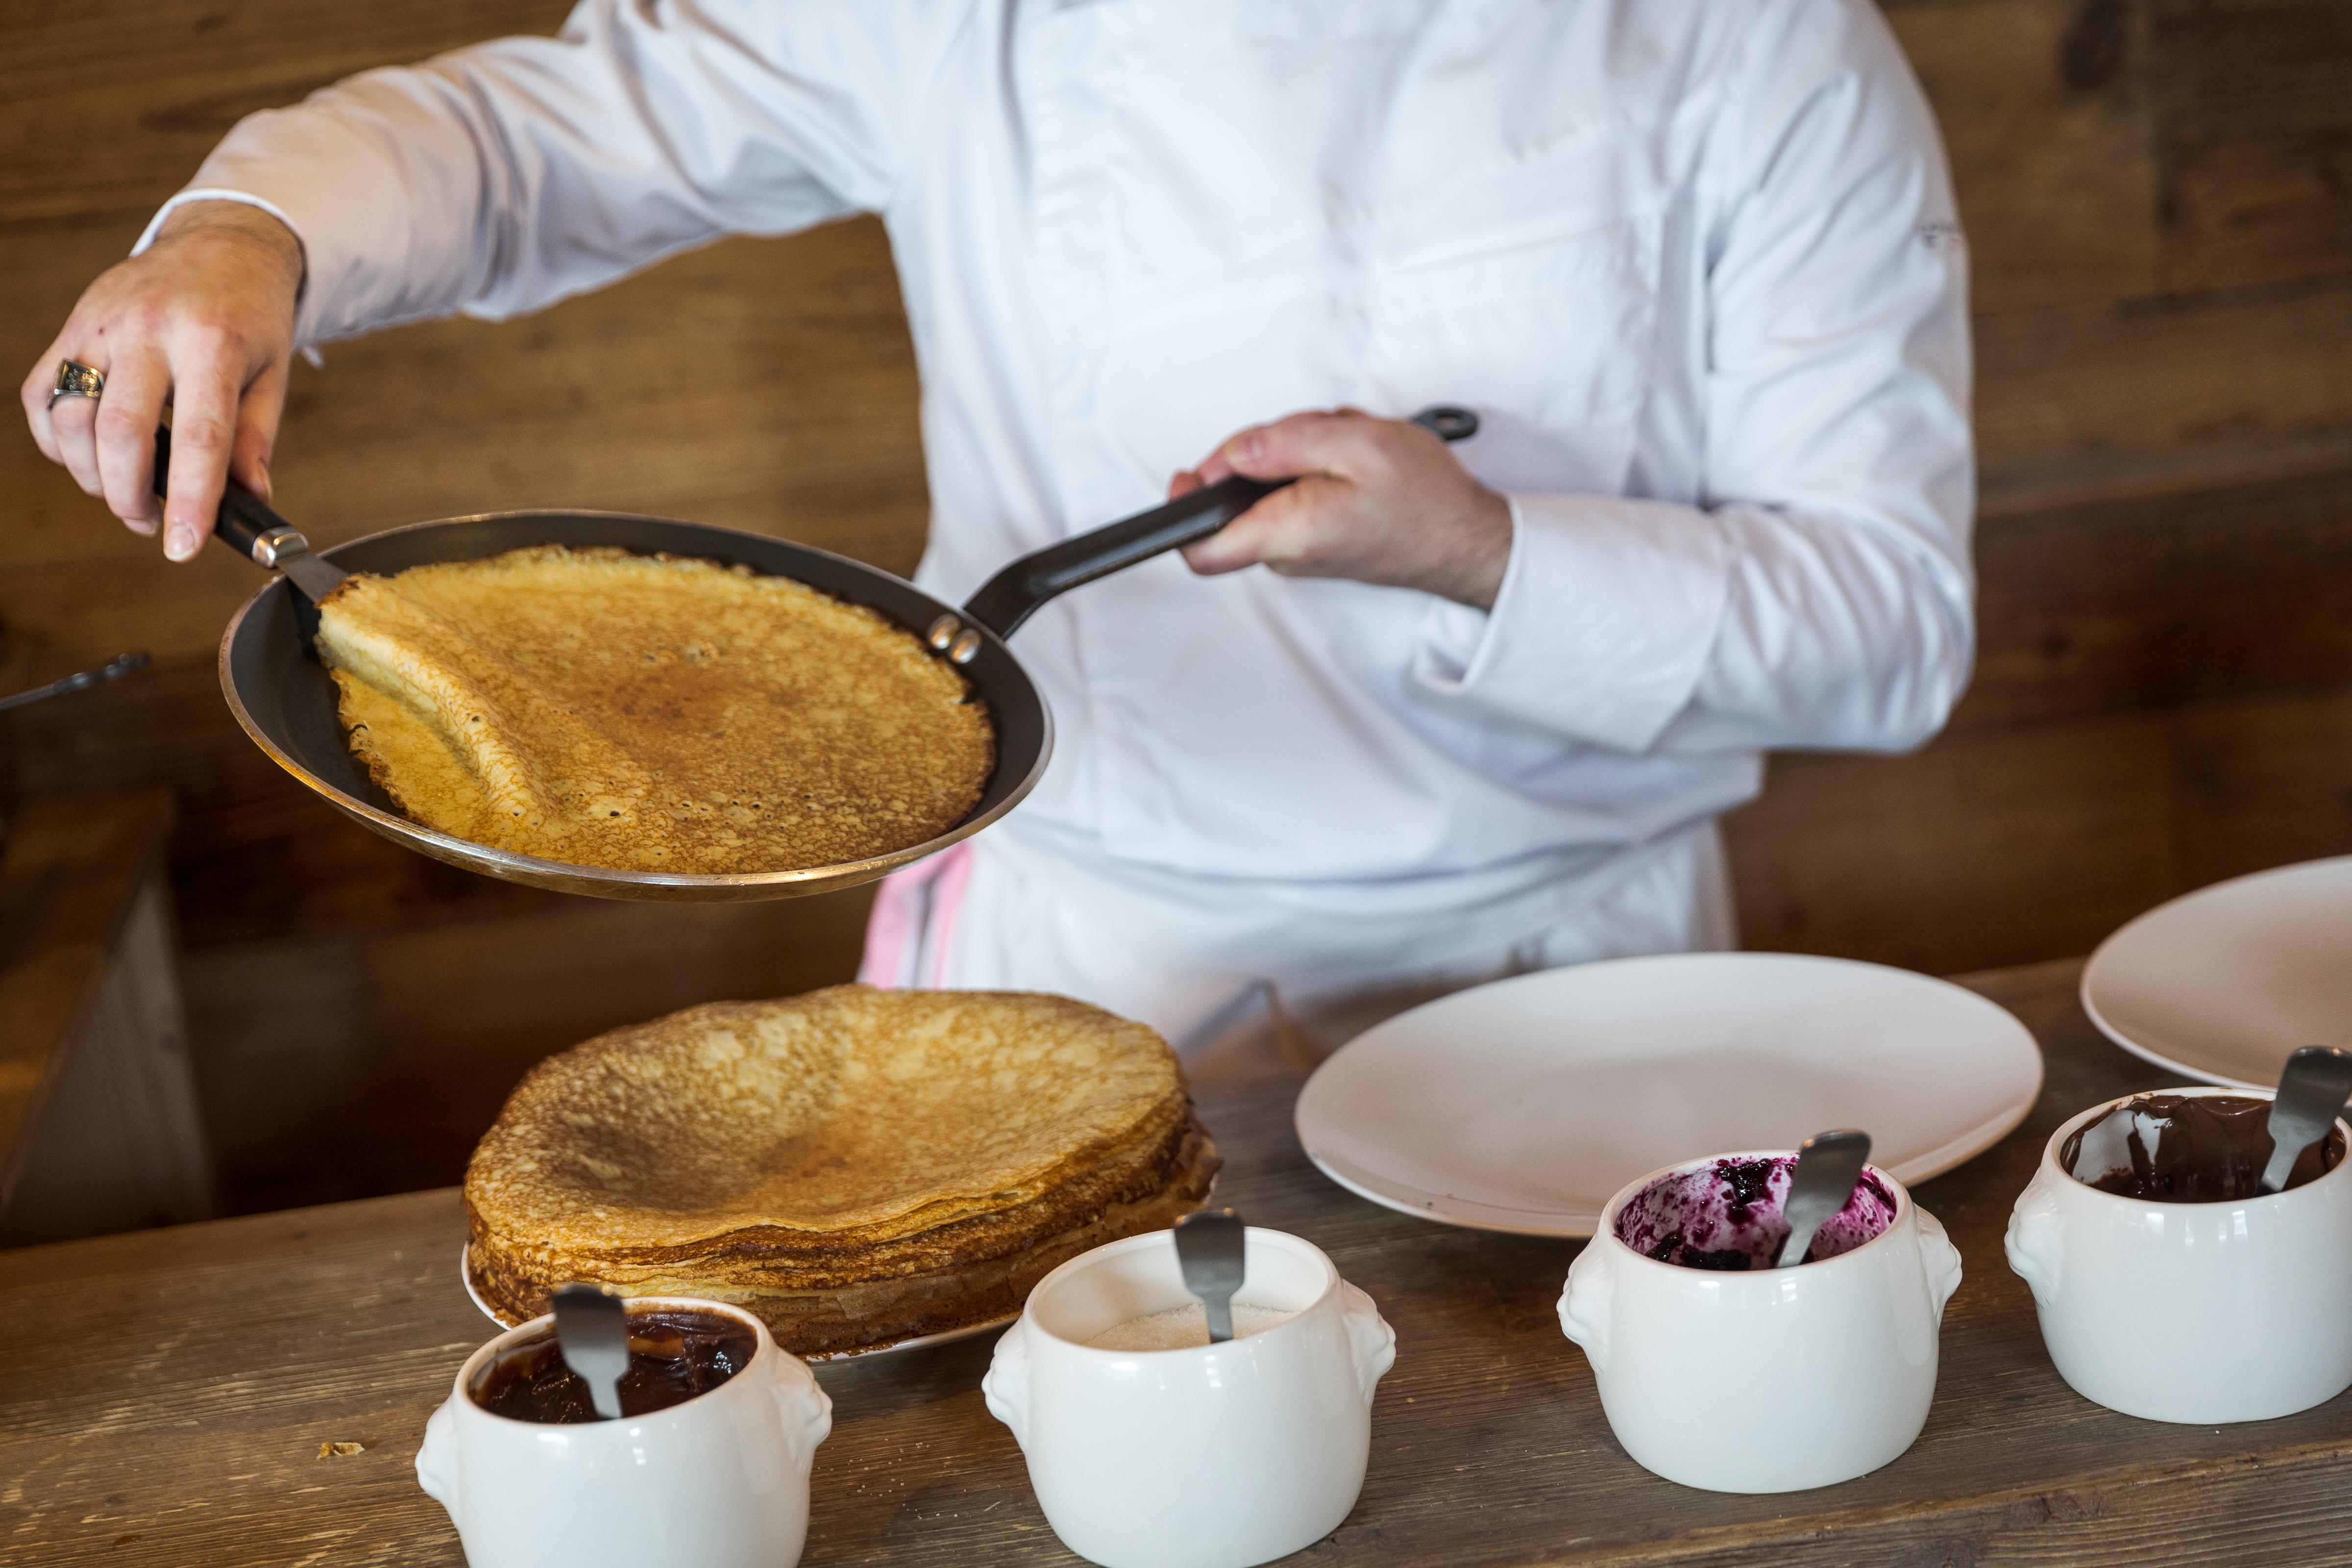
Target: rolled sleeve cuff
pixel 211 193
pixel 324 180
pixel 1608 613
pixel 304 323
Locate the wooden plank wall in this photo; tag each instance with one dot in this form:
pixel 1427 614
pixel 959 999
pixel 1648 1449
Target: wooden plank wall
pixel 2158 198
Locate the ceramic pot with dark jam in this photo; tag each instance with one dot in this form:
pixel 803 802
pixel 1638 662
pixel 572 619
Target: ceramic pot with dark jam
pixel 2169 1285
pixel 708 1463
pixel 1718 1370
pixel 675 1354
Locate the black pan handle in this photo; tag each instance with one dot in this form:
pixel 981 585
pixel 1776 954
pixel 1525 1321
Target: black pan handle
pixel 245 520
pixel 1014 595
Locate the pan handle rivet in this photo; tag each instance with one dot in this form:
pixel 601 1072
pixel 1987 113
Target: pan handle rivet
pixel 278 544
pixel 967 644
pixel 942 633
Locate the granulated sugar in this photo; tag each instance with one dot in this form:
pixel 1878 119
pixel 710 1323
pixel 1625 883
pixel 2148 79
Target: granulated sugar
pixel 1183 1328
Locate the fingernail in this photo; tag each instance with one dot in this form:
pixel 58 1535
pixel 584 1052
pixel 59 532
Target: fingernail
pixel 180 541
pixel 1249 447
pixel 261 472
pixel 142 526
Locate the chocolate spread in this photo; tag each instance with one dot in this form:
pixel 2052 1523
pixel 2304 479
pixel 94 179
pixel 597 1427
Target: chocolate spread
pixel 674 1355
pixel 2187 1149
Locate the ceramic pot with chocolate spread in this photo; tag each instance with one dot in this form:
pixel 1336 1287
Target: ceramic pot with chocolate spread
pixel 2168 1287
pixel 1720 1371
pixel 708 1463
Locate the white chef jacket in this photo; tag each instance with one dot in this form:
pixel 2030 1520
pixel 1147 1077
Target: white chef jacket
pixel 1695 263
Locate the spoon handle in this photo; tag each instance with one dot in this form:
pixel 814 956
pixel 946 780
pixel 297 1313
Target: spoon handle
pixel 2284 1153
pixel 2311 1095
pixel 1212 1251
pixel 1827 1168
pixel 591 1331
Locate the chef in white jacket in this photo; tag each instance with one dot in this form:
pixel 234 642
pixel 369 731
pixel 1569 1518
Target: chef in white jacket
pixel 1430 716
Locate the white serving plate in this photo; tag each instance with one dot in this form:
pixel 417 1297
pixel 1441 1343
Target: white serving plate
pixel 2223 983
pixel 466 1277
pixel 1523 1105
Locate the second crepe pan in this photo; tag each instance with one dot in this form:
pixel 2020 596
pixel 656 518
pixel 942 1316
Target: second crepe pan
pixel 285 700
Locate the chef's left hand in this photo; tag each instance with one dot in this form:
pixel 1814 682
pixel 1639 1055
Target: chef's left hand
pixel 1377 501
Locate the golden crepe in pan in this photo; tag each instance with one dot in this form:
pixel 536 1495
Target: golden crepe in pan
pixel 855 1166
pixel 649 712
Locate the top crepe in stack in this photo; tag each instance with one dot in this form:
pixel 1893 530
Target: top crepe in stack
pixel 855 1166
pixel 650 712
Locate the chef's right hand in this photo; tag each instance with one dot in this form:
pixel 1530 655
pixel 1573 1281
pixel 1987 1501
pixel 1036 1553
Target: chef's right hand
pixel 203 319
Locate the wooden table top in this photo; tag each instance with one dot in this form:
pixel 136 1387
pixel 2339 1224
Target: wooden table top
pixel 168 1393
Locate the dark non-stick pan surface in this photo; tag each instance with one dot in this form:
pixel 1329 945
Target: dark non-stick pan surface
pixel 286 701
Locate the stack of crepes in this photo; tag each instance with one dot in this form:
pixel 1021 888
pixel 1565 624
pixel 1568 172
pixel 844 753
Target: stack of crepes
pixel 856 1166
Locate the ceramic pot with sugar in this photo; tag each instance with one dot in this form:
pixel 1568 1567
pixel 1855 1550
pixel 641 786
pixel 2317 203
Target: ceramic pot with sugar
pixel 1720 1371
pixel 2205 1310
pixel 1209 1456
pixel 719 1479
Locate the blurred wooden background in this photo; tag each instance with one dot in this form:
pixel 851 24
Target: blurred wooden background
pixel 2158 196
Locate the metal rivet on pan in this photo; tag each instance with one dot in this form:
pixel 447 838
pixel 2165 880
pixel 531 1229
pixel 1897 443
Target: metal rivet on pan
pixel 942 633
pixel 966 645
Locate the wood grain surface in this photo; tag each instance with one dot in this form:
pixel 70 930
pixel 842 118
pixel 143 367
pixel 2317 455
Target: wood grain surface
pixel 2159 213
pixel 202 1367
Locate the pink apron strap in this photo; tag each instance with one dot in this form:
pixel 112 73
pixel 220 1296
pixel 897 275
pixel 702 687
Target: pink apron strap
pixel 913 928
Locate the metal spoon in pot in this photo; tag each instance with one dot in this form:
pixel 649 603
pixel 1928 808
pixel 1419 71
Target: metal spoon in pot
pixel 1212 1249
pixel 1827 1168
pixel 591 1329
pixel 2311 1096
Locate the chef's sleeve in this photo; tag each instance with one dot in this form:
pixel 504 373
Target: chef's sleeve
pixel 1820 594
pixel 502 177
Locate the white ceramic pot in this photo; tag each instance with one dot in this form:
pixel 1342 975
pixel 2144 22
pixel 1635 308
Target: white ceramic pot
pixel 2193 1312
pixel 1772 1379
pixel 1216 1457
pixel 719 1481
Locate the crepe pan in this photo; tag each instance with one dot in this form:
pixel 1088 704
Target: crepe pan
pixel 285 700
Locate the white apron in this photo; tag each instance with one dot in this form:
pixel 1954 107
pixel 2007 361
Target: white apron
pixel 1249 978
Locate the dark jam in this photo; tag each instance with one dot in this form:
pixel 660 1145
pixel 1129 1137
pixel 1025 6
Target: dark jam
pixel 2188 1148
pixel 675 1354
pixel 1723 1259
pixel 1726 1216
pixel 1747 1183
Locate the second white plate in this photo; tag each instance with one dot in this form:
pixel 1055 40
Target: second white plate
pixel 1524 1104
pixel 2223 983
